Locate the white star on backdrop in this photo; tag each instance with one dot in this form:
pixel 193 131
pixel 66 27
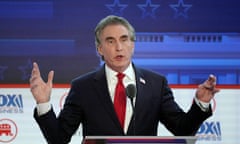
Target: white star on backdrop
pixel 148 9
pixel 116 8
pixel 26 70
pixel 180 9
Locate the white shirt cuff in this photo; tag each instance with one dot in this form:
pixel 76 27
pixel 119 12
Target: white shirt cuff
pixel 43 108
pixel 203 105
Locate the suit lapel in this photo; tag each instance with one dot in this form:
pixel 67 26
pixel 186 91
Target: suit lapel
pixel 140 83
pixel 100 83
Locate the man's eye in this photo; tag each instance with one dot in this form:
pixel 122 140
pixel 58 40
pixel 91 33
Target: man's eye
pixel 125 39
pixel 110 41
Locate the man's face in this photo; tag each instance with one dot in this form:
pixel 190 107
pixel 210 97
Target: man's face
pixel 116 47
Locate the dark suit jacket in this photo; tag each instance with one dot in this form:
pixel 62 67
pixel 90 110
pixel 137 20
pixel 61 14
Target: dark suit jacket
pixel 89 103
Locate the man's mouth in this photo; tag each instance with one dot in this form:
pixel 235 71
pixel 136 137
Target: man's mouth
pixel 119 57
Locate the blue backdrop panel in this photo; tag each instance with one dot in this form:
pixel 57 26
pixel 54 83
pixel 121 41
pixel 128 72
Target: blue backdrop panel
pixel 59 35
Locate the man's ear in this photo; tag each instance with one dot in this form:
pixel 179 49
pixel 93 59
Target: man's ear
pixel 133 47
pixel 99 49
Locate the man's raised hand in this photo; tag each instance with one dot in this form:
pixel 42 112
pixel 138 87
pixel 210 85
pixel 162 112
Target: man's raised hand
pixel 207 90
pixel 41 90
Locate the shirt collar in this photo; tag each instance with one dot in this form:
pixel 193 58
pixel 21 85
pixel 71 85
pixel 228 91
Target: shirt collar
pixel 129 72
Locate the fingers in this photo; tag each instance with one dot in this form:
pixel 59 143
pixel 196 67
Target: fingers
pixel 210 83
pixel 50 78
pixel 35 70
pixel 35 73
pixel 215 91
pixel 212 79
pixel 207 90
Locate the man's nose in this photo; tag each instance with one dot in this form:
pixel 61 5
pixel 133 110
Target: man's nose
pixel 119 46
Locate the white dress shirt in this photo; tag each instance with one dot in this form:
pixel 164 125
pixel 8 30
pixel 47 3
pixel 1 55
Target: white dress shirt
pixel 112 82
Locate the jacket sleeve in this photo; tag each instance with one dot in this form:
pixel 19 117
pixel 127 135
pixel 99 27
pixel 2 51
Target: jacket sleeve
pixel 177 121
pixel 49 126
pixel 59 130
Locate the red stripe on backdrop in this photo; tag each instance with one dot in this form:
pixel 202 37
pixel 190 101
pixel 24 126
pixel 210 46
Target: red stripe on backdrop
pixel 27 85
pixel 218 86
pixel 68 85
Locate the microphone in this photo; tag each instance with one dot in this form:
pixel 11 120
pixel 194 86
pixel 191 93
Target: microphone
pixel 131 92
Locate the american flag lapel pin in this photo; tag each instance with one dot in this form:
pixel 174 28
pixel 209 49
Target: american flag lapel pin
pixel 142 81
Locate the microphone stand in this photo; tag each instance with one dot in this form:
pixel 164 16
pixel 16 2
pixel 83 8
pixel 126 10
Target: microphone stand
pixel 131 94
pixel 133 115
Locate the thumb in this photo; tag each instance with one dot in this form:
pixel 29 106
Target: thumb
pixel 50 78
pixel 216 90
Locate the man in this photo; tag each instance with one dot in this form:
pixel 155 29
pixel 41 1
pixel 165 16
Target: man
pixel 91 100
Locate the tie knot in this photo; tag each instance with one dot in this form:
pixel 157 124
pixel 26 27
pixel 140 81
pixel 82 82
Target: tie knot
pixel 120 76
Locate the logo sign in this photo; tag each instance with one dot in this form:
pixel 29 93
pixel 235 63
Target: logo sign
pixel 210 131
pixel 8 130
pixel 11 103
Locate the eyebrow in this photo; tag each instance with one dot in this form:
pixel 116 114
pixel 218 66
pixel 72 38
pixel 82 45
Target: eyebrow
pixel 111 38
pixel 124 36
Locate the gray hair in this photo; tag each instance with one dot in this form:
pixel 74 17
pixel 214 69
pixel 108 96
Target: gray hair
pixel 112 20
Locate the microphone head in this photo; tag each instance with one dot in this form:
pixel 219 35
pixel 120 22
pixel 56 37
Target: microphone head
pixel 131 91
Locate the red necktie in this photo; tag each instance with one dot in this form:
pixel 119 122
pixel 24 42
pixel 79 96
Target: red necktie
pixel 120 99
